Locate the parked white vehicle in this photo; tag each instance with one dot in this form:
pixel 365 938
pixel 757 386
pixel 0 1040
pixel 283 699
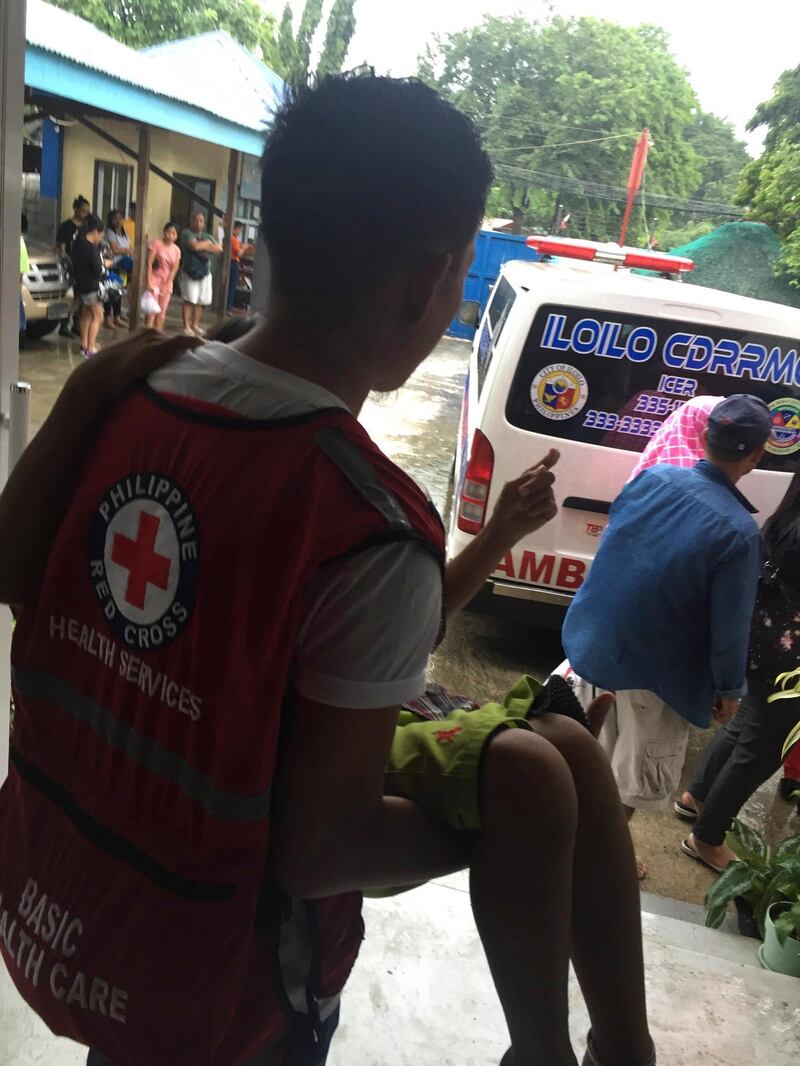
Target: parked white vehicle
pixel 590 358
pixel 46 291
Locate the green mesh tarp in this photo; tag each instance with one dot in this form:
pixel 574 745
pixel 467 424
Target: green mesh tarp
pixel 739 257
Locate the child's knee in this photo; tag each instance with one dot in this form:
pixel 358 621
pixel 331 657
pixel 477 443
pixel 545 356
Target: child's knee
pixel 574 742
pixel 523 773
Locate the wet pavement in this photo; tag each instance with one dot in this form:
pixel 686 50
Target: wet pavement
pixel 417 426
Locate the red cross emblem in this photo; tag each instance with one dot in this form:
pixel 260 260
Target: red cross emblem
pixel 144 564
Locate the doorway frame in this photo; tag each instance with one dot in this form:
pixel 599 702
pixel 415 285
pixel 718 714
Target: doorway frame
pixel 12 101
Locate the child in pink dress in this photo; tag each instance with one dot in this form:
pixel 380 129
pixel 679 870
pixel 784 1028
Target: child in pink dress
pixel 163 260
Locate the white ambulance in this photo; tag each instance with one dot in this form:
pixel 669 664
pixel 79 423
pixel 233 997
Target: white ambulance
pixel 578 353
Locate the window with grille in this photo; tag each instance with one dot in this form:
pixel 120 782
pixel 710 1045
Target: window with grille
pixel 113 188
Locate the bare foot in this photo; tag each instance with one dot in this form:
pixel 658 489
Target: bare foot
pixel 641 870
pixel 109 324
pixel 597 710
pixel 718 856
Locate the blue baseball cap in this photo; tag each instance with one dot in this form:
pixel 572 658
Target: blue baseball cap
pixel 739 425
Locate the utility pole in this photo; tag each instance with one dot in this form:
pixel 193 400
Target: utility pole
pixel 558 216
pixel 638 164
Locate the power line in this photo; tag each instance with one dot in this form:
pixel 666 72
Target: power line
pixel 568 144
pixel 614 193
pixel 482 122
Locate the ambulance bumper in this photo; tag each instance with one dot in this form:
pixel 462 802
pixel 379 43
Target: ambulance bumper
pixel 532 605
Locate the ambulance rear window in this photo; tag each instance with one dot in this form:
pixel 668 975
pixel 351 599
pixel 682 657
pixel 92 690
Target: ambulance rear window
pixel 600 377
pixel 500 304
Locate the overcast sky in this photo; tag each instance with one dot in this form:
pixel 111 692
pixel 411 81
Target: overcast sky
pixel 733 50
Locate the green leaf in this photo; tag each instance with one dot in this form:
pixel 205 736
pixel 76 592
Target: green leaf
pixel 735 880
pixel 561 101
pixel 782 887
pixel 791 740
pixel 789 846
pixel 747 842
pixel 139 23
pixel 339 32
pixel 787 924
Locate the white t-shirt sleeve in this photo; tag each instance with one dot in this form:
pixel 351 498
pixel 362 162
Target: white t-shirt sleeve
pixel 371 621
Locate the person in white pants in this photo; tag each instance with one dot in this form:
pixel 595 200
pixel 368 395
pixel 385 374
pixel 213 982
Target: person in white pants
pixel 197 246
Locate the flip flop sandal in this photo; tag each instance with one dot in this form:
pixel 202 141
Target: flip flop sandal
pixel 693 853
pixel 684 810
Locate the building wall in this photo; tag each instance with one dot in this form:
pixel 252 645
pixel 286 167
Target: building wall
pixel 173 152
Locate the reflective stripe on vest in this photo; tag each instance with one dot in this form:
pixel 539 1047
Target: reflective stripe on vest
pixel 147 752
pixel 363 476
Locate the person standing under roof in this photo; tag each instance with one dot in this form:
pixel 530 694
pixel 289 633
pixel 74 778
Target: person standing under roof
pixel 65 235
pixel 238 249
pixel 196 284
pixel 118 243
pixel 163 261
pixel 89 269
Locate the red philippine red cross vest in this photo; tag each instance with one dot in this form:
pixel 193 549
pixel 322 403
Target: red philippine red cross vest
pixel 149 676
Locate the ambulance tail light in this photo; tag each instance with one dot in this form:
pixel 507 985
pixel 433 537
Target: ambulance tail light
pixel 477 479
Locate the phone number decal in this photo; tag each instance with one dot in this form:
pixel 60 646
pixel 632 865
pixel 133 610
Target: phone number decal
pixel 614 423
pixel 651 404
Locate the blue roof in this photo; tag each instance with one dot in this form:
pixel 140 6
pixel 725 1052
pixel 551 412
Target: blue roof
pixel 207 87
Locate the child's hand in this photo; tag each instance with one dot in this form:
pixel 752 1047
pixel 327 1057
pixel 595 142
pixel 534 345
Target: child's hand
pixel 526 503
pixel 114 370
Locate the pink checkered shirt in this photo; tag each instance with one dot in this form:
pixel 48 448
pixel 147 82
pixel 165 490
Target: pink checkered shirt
pixel 679 441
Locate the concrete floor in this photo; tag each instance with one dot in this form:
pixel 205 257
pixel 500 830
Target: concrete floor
pixel 481 656
pixel 421 995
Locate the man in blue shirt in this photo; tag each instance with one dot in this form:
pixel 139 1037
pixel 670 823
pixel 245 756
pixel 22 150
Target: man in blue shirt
pixel 663 618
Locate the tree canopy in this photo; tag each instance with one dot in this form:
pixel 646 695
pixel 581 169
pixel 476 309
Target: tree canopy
pixel 294 46
pixel 566 99
pixel 769 186
pixel 139 23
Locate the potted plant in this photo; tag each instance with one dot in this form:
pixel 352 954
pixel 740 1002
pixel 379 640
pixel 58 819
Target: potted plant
pixel 768 881
pixel 781 948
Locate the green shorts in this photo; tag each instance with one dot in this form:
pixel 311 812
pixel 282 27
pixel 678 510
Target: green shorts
pixel 438 764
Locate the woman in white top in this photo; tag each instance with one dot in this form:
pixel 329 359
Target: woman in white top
pixel 117 240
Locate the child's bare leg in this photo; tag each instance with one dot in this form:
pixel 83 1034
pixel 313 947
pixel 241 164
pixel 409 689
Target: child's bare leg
pixel 93 327
pixel 520 877
pixel 606 918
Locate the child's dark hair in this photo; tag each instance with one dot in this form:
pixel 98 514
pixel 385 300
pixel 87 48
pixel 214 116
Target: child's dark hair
pixel 172 224
pixel 92 225
pixel 362 175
